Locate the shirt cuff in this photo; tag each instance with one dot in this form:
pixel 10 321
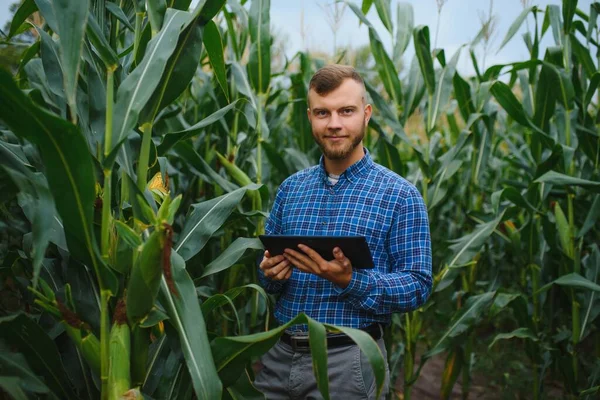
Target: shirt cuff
pixel 358 286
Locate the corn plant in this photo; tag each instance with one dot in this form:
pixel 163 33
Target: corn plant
pixel 105 121
pixel 141 144
pixel 517 147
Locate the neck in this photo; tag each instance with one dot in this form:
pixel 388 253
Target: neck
pixel 337 167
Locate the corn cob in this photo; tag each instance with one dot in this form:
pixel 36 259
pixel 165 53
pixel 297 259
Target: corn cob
pixel 119 378
pixel 144 281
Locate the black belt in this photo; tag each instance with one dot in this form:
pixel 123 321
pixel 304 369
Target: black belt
pixel 300 344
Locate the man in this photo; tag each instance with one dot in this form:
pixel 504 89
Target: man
pixel 346 194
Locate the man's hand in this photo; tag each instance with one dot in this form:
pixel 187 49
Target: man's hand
pixel 337 271
pixel 276 268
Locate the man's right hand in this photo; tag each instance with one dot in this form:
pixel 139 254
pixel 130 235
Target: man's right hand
pixel 276 268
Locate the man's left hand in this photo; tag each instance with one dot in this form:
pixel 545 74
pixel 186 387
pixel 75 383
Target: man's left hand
pixel 337 271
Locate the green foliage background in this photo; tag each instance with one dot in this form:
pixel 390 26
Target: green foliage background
pixel 141 144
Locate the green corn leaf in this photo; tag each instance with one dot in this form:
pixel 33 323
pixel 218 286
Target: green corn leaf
pixel 242 84
pixel 593 86
pixel 219 300
pixel 443 90
pixel 509 102
pixel 70 171
pixel 178 72
pixel 259 63
pixel 232 353
pixel 404 28
pixel 317 335
pixel 386 69
pixel 384 10
pixel 200 167
pixel 423 51
pixel 568 12
pixel 520 333
pixel 205 218
pixel 366 6
pixel 554 20
pixel 51 61
pixel 136 90
pixel 558 179
pixel 591 218
pixel 465 248
pixel 115 10
pixel 35 200
pixel 462 92
pixel 464 319
pixel 13 387
pixel 584 55
pixel 39 350
pixel 231 255
pixel 71 19
pixel 26 8
pixel 514 108
pixel 185 315
pixel 96 37
pixel 514 28
pixel 545 98
pixel 415 90
pixel 128 235
pixel 171 139
pixel 573 280
pixel 156 10
pixel 214 47
pixel 15 365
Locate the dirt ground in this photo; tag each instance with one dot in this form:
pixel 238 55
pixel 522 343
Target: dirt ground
pixel 429 383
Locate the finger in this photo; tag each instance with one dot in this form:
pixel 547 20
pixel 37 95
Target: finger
pixel 275 270
pixel 282 274
pixel 340 257
pixel 316 257
pixel 304 264
pixel 300 258
pixel 289 273
pixel 268 263
pixel 267 254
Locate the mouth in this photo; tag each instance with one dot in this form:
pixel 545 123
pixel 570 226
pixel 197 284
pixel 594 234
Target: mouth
pixel 335 138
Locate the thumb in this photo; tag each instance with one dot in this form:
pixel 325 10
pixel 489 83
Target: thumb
pixel 338 254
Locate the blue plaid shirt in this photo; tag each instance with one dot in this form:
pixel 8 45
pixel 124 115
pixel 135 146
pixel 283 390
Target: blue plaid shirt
pixel 371 201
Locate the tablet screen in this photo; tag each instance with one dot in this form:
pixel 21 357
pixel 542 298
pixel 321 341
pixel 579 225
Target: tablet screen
pixel 353 247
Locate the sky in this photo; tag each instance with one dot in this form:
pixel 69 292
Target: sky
pixel 458 25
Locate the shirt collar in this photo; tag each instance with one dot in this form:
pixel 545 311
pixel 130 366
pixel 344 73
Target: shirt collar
pixel 354 171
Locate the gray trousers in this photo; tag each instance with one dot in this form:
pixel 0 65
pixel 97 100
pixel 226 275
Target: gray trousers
pixel 289 375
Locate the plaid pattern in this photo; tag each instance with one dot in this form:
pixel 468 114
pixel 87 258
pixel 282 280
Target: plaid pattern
pixel 371 201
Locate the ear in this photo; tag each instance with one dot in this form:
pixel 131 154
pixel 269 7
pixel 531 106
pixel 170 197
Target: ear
pixel 368 112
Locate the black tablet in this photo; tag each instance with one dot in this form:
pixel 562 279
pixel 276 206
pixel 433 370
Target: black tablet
pixel 353 247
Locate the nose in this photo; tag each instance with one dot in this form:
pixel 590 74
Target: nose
pixel 335 122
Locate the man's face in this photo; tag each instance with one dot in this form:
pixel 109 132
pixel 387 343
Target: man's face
pixel 339 119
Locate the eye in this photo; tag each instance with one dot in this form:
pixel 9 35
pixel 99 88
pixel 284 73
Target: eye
pixel 347 111
pixel 321 113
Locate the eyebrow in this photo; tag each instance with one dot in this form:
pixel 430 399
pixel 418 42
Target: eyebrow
pixel 340 108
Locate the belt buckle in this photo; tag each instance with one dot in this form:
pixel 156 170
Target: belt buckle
pixel 300 344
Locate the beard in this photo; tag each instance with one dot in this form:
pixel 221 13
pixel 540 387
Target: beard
pixel 341 151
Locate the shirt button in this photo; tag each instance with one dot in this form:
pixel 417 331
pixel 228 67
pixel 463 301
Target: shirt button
pixel 324 222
